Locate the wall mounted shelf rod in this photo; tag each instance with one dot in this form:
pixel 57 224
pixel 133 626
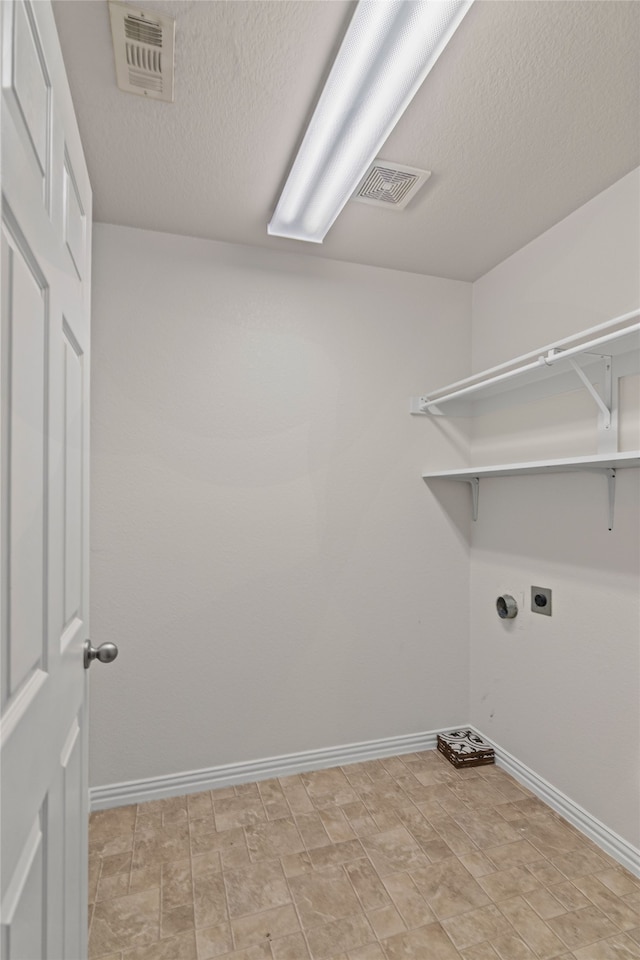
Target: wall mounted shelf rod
pixel 527 365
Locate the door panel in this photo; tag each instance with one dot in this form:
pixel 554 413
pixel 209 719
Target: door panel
pixel 27 323
pixel 74 219
pixel 73 403
pixel 44 456
pixel 28 90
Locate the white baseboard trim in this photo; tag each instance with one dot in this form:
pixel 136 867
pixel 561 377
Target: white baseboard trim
pixel 174 785
pixel 227 775
pixel 609 841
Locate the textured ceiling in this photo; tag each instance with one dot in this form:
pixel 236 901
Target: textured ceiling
pixel 533 108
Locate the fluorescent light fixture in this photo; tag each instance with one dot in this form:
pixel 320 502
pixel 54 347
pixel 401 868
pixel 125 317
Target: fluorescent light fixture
pixel 388 50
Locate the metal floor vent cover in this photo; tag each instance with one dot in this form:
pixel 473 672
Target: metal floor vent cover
pixel 390 185
pixel 143 46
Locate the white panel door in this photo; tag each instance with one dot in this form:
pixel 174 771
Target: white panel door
pixel 44 458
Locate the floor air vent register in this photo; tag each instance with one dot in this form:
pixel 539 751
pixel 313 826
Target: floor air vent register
pixel 464 748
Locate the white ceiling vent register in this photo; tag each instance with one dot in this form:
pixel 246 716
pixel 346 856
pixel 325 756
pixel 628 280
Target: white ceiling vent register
pixel 390 185
pixel 143 45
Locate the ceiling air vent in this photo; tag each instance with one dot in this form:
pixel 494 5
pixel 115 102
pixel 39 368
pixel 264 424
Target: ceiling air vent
pixel 143 44
pixel 390 185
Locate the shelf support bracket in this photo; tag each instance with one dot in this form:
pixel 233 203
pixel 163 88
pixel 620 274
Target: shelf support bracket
pixel 474 483
pixel 604 408
pixel 611 484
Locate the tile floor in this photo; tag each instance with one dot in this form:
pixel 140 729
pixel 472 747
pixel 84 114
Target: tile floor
pixel 398 859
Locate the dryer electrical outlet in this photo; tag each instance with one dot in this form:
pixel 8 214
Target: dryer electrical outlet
pixel 541 600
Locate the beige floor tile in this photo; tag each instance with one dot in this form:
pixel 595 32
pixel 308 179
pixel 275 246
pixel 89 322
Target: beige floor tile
pixel 204 863
pixel 231 812
pixel 235 856
pixel 437 850
pixel 477 864
pixel 162 845
pixel 273 799
pixel 477 792
pixel 504 884
pixel 104 824
pixel 199 805
pixel 294 864
pixel 209 900
pixel 221 792
pixel 620 947
pixel 409 902
pixel 201 826
pixel 511 854
pixel 484 833
pixel 372 951
pixel 127 921
pixel 225 840
pixel 336 853
pixel 123 843
pixel 258 952
pixel 247 789
pixel 116 885
pixel 623 914
pixel 214 941
pixel 264 927
pixel 481 951
pixel 177 887
pixel 544 903
pixel 336 825
pixel 534 931
pixel 144 878
pixel 391 859
pixel 177 920
pixel 328 786
pixel 386 921
pixel 275 838
pixel 116 863
pixel 512 948
pixel 254 888
pixel 323 895
pixel 619 881
pixel 293 947
pixel 424 943
pixel 342 935
pixel 453 835
pixel 578 863
pixel 394 851
pixel 367 884
pixel 545 872
pixel 473 927
pixel 296 795
pixel 449 889
pixel 95 865
pixel 182 947
pixel 584 926
pixel 312 830
pixel 569 896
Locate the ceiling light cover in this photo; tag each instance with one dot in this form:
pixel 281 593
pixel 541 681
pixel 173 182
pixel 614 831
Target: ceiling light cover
pixel 388 50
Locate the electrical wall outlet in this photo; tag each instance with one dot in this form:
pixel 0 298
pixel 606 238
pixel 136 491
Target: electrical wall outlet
pixel 541 600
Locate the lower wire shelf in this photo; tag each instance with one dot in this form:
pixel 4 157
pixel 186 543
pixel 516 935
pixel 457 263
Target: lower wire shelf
pixel 606 464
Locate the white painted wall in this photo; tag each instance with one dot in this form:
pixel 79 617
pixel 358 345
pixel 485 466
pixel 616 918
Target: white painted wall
pixel 562 694
pixel 264 552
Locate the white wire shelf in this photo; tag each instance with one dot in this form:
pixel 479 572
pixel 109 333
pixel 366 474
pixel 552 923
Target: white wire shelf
pixel 594 463
pixel 604 464
pixel 547 369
